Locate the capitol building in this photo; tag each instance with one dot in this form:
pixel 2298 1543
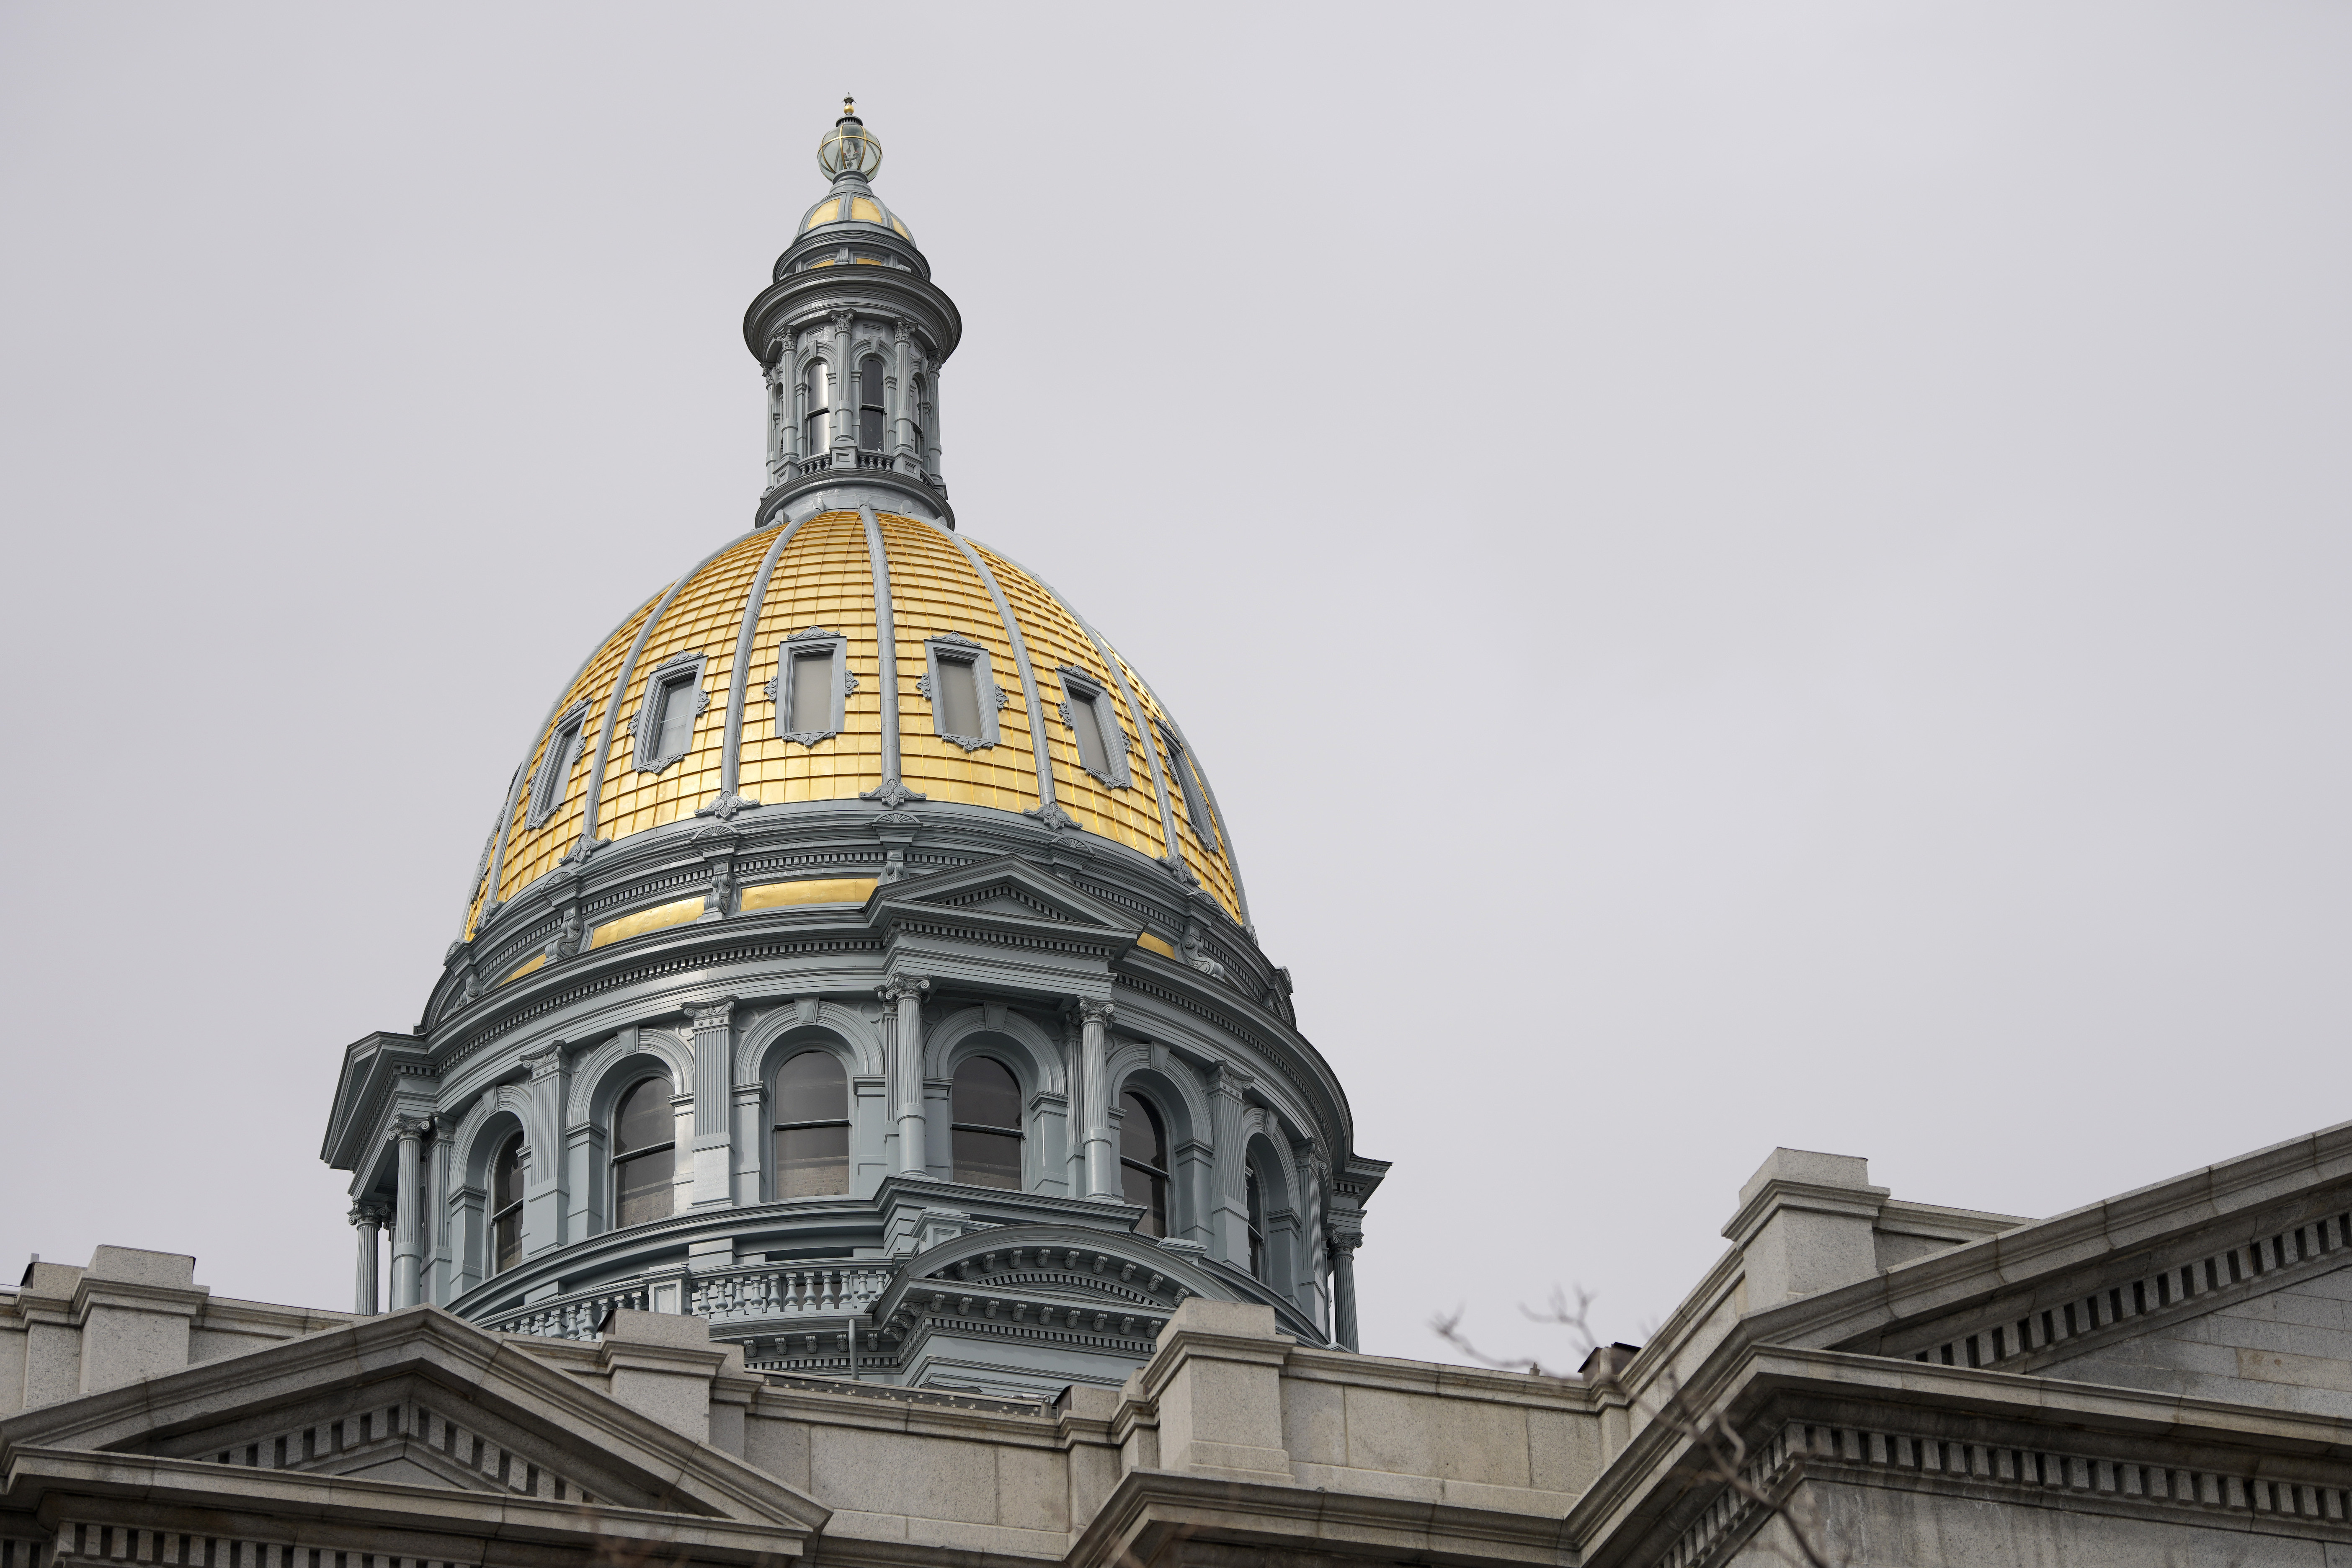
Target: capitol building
pixel 854 1122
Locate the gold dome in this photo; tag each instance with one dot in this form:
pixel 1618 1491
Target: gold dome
pixel 816 579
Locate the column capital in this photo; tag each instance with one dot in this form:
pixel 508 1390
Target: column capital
pixel 900 987
pixel 715 1012
pixel 1092 1012
pixel 545 1062
pixel 1343 1238
pixel 410 1126
pixel 842 320
pixel 369 1214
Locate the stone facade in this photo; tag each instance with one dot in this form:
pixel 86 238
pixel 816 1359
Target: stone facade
pixel 2164 1378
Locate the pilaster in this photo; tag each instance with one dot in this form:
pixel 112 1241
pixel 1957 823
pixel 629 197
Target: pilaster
pixel 542 1191
pixel 714 1065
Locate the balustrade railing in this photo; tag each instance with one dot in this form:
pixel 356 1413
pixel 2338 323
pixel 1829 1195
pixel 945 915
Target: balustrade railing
pixel 574 1317
pixel 753 1293
pixel 738 1294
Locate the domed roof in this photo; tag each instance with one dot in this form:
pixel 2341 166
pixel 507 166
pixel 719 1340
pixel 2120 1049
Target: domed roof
pixel 809 586
pixel 854 206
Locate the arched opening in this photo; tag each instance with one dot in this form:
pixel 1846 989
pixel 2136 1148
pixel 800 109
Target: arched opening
pixel 645 1158
pixel 815 427
pixel 1143 1162
pixel 916 400
pixel 984 1108
pixel 811 1127
pixel 506 1205
pixel 871 413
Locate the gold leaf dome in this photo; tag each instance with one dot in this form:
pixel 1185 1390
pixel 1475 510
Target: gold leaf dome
pixel 816 578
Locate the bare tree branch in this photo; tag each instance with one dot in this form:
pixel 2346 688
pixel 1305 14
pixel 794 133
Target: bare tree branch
pixel 1723 1456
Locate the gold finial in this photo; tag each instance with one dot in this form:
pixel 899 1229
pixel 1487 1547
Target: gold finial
pixel 848 106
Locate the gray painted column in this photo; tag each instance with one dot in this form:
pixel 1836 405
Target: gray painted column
pixel 905 992
pixel 368 1220
pixel 794 344
pixel 1229 1191
pixel 714 1139
pixel 542 1138
pixel 440 1265
pixel 902 397
pixel 1102 1154
pixel 1345 1237
pixel 931 425
pixel 779 419
pixel 842 396
pixel 408 1210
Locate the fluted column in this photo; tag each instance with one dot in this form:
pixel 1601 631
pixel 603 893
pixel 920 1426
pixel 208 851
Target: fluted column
pixel 714 1140
pixel 905 992
pixel 368 1220
pixel 1345 1237
pixel 902 400
pixel 1102 1154
pixel 408 1210
pixel 841 397
pixel 931 422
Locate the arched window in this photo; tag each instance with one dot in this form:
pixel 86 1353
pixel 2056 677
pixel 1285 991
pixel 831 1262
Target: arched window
pixel 817 431
pixel 811 1127
pixel 1256 1225
pixel 506 1205
pixel 986 1108
pixel 871 414
pixel 1143 1162
pixel 915 399
pixel 645 1160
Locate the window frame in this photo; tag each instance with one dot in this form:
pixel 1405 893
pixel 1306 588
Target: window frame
pixel 991 698
pixel 497 1216
pixel 615 1156
pixel 777 1124
pixel 1018 1131
pixel 816 407
pixel 1260 1255
pixel 570 725
pixel 880 406
pixel 1162 1177
pixel 779 688
pixel 679 670
pixel 1080 690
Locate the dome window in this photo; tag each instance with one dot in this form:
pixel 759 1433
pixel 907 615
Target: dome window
pixel 562 754
pixel 962 691
pixel 1102 740
pixel 873 415
pixel 1143 1163
pixel 811 1127
pixel 812 684
pixel 985 1107
pixel 506 1205
pixel 663 726
pixel 645 1154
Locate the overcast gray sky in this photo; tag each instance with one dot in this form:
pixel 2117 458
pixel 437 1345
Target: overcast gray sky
pixel 1747 574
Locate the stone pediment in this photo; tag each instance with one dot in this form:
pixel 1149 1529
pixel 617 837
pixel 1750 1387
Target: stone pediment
pixel 1006 886
pixel 417 1404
